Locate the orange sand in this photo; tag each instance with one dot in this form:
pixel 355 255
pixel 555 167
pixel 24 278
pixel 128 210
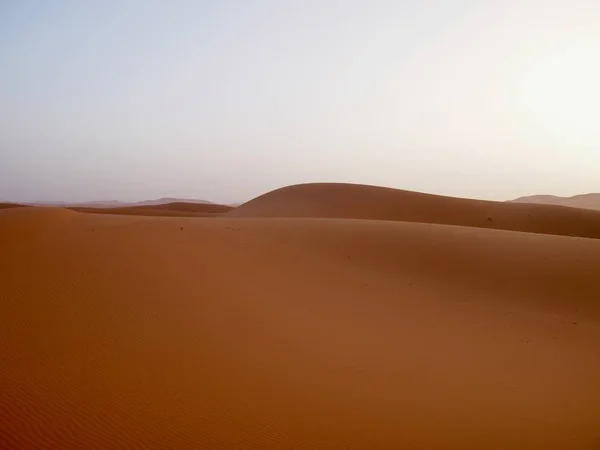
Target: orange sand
pixel 331 200
pixel 274 333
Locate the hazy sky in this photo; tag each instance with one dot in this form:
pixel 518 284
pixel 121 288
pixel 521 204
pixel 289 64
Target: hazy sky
pixel 224 100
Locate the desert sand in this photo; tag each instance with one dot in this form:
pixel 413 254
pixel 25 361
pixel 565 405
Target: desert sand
pixel 293 323
pixel 354 201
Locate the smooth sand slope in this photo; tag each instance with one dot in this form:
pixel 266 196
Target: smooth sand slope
pixel 589 201
pixel 123 332
pixel 333 200
pixel 177 209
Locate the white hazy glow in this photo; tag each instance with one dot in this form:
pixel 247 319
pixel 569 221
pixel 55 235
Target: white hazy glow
pixel 136 99
pixel 562 92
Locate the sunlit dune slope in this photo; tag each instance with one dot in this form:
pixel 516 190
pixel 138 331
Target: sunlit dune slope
pixel 331 200
pixel 180 209
pixel 182 333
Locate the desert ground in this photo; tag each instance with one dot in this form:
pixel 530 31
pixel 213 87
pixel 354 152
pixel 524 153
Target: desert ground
pixel 318 316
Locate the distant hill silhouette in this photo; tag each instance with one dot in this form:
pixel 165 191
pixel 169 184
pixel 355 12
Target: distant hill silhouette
pixel 586 201
pixel 120 204
pixel 180 209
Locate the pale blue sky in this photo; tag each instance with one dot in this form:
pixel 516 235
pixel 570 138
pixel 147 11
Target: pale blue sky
pixel 225 100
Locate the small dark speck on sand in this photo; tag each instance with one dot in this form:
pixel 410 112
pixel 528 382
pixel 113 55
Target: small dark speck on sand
pixel 575 323
pixel 181 228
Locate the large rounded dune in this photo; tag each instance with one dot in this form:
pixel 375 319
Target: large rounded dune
pixel 354 201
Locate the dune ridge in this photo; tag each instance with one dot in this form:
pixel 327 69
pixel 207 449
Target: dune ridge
pixel 353 201
pixel 117 203
pixel 307 333
pixel 179 209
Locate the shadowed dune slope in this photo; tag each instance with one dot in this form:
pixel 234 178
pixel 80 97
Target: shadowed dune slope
pixel 180 209
pixel 10 205
pixel 180 333
pixel 331 200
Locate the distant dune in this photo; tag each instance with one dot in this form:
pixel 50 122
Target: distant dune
pixel 169 209
pixel 169 200
pixel 336 331
pixel 117 203
pixel 10 205
pixel 331 200
pixel 589 201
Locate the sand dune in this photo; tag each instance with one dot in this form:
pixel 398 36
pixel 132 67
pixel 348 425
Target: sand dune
pixel 589 201
pixel 182 333
pixel 10 205
pixel 180 209
pixel 118 204
pixel 331 200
